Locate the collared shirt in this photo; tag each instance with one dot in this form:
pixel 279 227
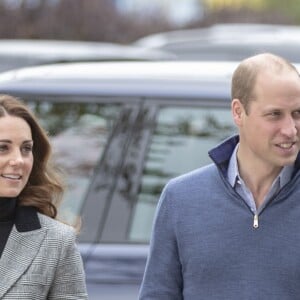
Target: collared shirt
pixel 240 187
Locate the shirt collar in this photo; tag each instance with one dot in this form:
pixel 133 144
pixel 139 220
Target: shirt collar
pixel 233 171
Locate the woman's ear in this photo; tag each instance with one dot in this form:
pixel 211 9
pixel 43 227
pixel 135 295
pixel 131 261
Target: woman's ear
pixel 237 111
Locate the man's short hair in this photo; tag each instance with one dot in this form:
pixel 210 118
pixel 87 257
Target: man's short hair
pixel 245 75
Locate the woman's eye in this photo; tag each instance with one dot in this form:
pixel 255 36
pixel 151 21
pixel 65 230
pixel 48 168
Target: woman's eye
pixel 27 149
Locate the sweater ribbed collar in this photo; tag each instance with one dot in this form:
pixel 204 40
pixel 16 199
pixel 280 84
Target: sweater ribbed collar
pixel 7 208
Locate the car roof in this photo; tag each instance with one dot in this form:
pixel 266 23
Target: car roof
pixel 233 41
pixel 156 78
pixel 24 52
pixel 217 32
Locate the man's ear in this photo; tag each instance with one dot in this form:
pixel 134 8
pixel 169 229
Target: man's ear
pixel 237 111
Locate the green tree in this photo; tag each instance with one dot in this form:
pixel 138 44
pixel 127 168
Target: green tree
pixel 287 7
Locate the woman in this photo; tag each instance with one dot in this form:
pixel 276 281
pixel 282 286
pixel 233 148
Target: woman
pixel 39 258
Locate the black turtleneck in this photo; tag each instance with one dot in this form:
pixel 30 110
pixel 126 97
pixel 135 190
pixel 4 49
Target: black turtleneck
pixel 7 214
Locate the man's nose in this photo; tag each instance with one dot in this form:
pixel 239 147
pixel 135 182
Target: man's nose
pixel 289 127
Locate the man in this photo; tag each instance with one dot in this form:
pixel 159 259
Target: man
pixel 231 230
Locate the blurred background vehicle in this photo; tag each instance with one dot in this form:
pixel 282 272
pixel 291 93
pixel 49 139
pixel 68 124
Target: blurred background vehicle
pixel 16 53
pixel 120 131
pixel 231 41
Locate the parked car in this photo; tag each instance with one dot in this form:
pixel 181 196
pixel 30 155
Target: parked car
pixel 16 53
pixel 232 41
pixel 121 131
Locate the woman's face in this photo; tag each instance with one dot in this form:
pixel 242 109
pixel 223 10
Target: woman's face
pixel 16 158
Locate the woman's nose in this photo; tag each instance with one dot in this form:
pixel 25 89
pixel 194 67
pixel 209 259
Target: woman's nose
pixel 16 159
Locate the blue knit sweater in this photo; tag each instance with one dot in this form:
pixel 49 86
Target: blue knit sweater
pixel 204 245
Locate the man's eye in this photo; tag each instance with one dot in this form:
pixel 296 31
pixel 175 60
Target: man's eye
pixel 274 114
pixel 3 148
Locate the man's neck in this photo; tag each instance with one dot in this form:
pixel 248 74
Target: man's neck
pixel 257 177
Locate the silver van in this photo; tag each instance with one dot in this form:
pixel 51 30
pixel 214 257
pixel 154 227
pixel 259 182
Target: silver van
pixel 121 130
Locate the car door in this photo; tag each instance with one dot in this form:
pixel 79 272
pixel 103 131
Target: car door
pixel 169 137
pixel 88 135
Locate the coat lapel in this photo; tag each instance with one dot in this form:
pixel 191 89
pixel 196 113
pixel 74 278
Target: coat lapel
pixel 21 248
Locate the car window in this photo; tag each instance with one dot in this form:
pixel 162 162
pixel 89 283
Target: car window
pixel 179 144
pixel 78 133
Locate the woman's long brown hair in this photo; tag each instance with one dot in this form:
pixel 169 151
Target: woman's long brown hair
pixel 44 189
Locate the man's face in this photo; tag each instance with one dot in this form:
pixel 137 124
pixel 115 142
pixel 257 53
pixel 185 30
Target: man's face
pixel 270 130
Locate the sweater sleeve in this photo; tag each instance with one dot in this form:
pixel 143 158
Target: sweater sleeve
pixel 163 277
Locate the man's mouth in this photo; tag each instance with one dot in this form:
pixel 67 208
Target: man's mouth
pixel 286 145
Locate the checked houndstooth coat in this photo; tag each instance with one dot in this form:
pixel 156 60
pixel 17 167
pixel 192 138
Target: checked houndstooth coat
pixel 40 260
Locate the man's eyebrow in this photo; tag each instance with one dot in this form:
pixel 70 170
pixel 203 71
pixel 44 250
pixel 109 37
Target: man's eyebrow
pixel 6 141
